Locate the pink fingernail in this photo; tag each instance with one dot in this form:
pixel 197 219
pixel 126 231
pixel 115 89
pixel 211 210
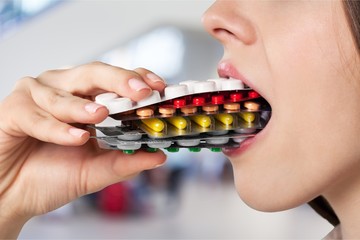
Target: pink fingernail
pixel 76 132
pixel 137 85
pixel 153 77
pixel 92 107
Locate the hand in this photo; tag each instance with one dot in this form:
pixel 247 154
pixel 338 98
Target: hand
pixel 45 162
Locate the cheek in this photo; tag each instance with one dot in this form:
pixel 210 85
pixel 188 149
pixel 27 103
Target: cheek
pixel 312 140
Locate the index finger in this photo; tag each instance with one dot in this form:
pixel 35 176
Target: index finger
pixel 95 78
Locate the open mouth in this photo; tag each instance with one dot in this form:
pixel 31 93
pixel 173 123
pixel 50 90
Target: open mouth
pixel 227 71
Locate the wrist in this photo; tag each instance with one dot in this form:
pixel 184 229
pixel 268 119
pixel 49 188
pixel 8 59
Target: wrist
pixel 10 227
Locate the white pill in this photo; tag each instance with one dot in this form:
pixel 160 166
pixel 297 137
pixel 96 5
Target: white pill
pixel 153 98
pixel 164 144
pixel 118 105
pixel 202 87
pixel 129 145
pixel 245 130
pixel 218 82
pixel 189 84
pixel 105 97
pixel 130 136
pixel 174 91
pixel 232 84
pixel 217 141
pixel 239 140
pixel 188 143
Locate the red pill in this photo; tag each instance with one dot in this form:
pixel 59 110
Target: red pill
pixel 198 101
pixel 236 97
pixel 253 94
pixel 179 103
pixel 217 99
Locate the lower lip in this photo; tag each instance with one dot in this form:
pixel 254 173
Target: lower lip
pixel 246 144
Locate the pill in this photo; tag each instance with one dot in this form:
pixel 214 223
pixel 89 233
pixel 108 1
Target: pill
pixel 250 105
pixel 174 91
pixel 217 99
pixel 210 108
pixel 159 144
pixel 215 149
pixel 144 112
pixel 198 101
pixel 154 123
pixel 253 94
pixel 236 97
pixel 152 99
pixel 188 142
pixel 172 149
pixel 202 120
pixel 232 106
pixel 218 141
pixel 129 152
pixel 189 110
pixel 180 102
pixel 194 149
pixel 225 118
pixel 247 116
pixel 168 111
pixel 178 122
pixel 201 87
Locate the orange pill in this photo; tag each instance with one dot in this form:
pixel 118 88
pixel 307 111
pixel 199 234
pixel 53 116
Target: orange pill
pixel 232 106
pixel 210 108
pixel 168 111
pixel 144 112
pixel 189 110
pixel 252 105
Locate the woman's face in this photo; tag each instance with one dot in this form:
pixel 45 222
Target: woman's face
pixel 300 56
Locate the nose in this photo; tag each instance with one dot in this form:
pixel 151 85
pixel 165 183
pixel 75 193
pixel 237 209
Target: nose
pixel 225 21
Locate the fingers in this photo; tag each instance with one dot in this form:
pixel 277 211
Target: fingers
pixel 96 78
pixel 25 118
pixel 153 80
pixel 66 107
pixel 114 166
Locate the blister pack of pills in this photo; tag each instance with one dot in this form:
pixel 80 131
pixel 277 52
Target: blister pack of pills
pixel 211 114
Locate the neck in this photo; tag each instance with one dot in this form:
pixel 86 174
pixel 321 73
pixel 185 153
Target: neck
pixel 344 197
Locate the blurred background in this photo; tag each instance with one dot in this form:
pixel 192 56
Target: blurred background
pixel 190 197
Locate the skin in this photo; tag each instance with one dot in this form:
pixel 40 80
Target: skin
pixel 300 56
pixel 44 161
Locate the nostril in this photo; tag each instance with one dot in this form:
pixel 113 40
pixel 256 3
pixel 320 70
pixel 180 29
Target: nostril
pixel 222 33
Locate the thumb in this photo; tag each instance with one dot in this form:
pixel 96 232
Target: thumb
pixel 114 166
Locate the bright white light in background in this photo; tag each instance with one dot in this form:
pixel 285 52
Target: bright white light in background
pixel 161 50
pixel 33 6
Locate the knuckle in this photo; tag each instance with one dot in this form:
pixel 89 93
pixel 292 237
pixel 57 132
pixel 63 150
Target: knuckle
pixel 55 97
pixel 24 82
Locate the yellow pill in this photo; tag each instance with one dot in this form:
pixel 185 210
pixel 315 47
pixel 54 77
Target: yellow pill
pixel 178 122
pixel 202 120
pixel 155 124
pixel 225 118
pixel 247 116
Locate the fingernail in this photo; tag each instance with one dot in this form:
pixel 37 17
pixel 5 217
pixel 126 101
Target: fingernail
pixel 159 165
pixel 153 77
pixel 137 85
pixel 76 132
pixel 92 107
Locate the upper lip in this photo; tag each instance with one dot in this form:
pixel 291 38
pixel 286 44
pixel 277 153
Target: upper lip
pixel 227 70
